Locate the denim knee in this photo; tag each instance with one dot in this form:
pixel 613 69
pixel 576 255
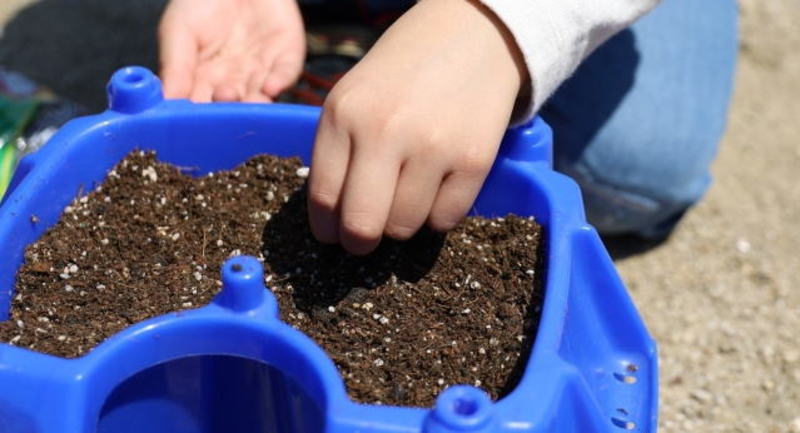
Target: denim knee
pixel 637 125
pixel 636 184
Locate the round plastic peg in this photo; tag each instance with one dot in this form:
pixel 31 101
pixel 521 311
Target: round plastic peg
pixel 242 284
pixel 531 142
pixel 460 408
pixel 133 89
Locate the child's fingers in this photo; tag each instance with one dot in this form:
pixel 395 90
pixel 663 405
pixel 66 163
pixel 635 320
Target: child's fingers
pixel 255 87
pixel 413 199
pixel 231 77
pixel 366 198
pixel 455 199
pixel 178 58
pixel 328 171
pixel 226 93
pixel 202 91
pixel 283 73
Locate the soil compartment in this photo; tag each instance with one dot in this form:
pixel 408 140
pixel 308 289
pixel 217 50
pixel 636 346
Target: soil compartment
pixel 401 324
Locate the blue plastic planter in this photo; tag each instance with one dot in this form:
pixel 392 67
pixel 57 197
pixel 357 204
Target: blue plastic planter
pixel 234 367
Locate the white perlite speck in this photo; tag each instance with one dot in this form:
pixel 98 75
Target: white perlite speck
pixel 197 276
pixel 150 173
pixel 332 309
pixel 302 172
pixel 378 362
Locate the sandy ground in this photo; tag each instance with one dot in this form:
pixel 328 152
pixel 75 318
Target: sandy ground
pixel 722 296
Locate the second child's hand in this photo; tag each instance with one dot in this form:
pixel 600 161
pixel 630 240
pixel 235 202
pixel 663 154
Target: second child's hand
pixel 230 50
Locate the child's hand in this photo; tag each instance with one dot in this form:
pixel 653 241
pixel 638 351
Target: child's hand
pixel 409 135
pixel 230 50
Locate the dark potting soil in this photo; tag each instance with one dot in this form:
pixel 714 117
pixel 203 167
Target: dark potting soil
pixel 401 324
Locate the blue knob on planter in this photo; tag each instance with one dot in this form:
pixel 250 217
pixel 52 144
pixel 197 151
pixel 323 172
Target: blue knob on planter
pixel 242 284
pixel 461 408
pixel 134 89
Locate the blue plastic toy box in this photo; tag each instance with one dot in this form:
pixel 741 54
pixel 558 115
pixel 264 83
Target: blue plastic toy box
pixel 234 367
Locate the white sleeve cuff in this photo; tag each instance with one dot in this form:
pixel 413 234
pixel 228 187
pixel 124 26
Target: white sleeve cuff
pixel 555 36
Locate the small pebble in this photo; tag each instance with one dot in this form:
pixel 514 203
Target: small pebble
pixel 743 246
pixel 302 172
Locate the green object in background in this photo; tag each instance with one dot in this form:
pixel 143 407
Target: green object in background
pixel 15 115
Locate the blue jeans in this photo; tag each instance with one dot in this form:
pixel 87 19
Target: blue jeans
pixel 637 126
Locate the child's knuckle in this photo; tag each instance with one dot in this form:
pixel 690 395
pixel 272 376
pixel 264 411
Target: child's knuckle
pixel 360 228
pixel 323 200
pixel 400 230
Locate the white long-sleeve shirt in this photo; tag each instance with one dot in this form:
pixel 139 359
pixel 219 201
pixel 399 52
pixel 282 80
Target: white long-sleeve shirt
pixel 555 36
